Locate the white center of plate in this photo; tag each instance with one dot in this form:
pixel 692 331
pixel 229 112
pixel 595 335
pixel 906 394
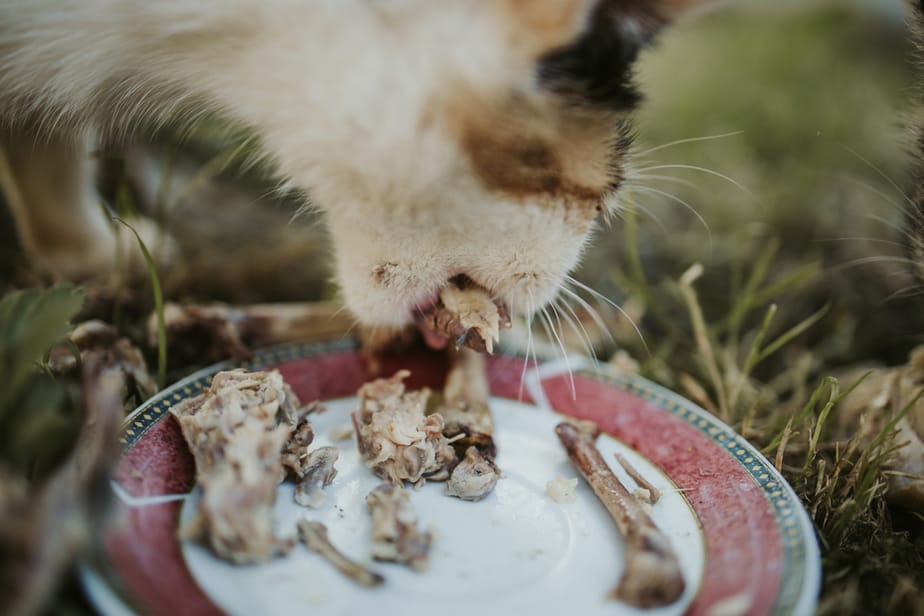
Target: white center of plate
pixel 516 550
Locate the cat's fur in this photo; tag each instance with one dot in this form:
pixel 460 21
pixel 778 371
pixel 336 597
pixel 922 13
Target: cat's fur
pixel 914 227
pixel 440 137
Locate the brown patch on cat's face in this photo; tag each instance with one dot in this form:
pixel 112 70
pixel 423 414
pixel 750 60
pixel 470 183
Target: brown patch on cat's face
pixel 543 152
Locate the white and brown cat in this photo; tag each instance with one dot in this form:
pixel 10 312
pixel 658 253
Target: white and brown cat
pixel 439 137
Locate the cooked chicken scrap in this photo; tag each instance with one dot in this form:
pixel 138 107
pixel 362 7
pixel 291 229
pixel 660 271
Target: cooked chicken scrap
pixel 562 490
pixel 395 537
pixel 469 426
pixel 467 315
pixel 401 443
pixel 319 471
pixel 237 431
pixel 395 438
pixel 474 477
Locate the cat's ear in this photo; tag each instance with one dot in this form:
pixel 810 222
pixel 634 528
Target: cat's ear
pixel 596 66
pixel 554 23
pixel 547 24
pixel 644 18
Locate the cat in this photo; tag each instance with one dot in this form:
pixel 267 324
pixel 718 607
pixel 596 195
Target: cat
pixel 440 138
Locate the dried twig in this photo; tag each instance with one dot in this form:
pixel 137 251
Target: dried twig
pixel 652 576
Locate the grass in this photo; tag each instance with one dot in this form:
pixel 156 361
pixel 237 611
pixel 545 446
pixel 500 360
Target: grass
pixel 765 306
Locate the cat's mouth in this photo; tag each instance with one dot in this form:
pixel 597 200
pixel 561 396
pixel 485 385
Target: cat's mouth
pixel 464 314
pixel 422 311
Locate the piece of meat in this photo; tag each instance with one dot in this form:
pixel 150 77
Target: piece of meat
pixel 467 315
pixel 319 471
pixel 314 536
pixel 395 438
pixel 469 426
pixel 473 478
pixel 295 454
pixel 652 576
pixel 465 409
pixel 395 537
pixel 237 431
pixel 561 490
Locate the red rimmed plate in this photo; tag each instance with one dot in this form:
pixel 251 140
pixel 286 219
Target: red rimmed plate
pixel 744 541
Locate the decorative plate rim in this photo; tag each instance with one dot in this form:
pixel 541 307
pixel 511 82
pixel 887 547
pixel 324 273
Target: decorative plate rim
pixel 801 576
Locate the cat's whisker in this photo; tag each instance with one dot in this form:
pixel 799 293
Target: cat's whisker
pixel 574 322
pixel 913 290
pixel 881 174
pixel 594 314
pixel 706 170
pixel 564 353
pixel 660 178
pixel 680 201
pixel 604 298
pixel 553 308
pixel 894 226
pixel 677 142
pixel 529 340
pixel 860 238
pixel 872 260
pixel 874 190
pixel 641 207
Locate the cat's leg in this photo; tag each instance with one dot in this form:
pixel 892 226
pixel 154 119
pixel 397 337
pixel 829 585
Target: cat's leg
pixel 61 222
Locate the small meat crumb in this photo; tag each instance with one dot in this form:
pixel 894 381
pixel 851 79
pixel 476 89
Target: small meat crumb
pixel 562 490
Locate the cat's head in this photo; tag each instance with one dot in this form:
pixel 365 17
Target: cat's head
pixel 499 151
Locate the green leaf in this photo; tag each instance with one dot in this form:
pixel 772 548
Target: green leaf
pixel 31 321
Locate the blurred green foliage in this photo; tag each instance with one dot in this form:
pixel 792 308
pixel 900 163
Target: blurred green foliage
pixel 39 419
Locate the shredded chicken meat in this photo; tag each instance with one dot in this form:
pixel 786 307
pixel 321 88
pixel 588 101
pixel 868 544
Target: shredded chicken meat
pixel 237 432
pixel 396 439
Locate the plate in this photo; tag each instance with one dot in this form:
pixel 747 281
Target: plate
pixel 745 544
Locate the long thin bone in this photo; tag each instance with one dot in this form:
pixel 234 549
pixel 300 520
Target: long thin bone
pixel 314 535
pixel 653 493
pixel 652 576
